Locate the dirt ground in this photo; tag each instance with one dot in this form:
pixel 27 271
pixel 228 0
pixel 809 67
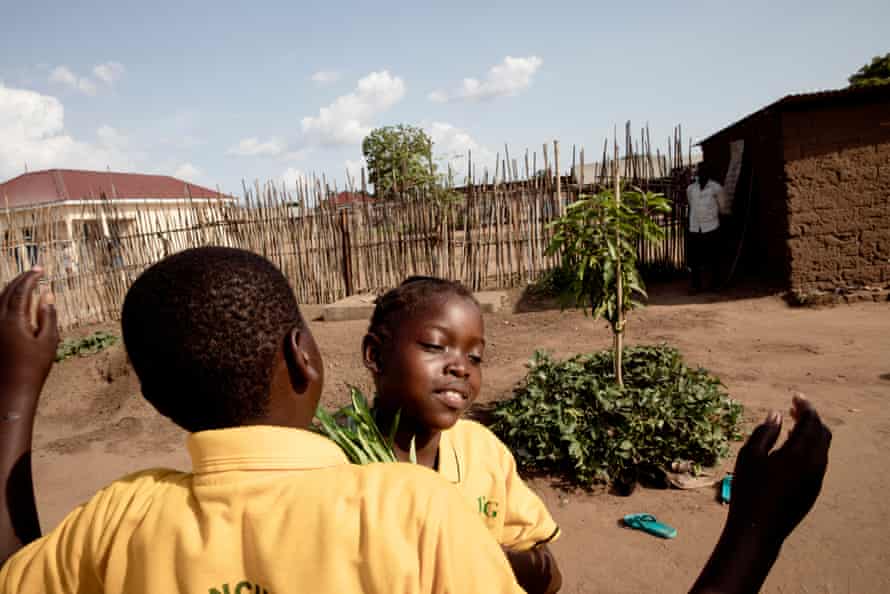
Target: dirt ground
pixel 93 427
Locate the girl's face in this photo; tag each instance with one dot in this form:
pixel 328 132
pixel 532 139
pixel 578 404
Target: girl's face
pixel 430 368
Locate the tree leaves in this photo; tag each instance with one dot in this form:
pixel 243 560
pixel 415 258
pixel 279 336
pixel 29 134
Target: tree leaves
pixel 873 74
pixel 570 417
pixel 594 234
pixel 400 158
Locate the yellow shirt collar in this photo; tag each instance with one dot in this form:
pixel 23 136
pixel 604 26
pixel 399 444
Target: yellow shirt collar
pixel 262 447
pixel 449 460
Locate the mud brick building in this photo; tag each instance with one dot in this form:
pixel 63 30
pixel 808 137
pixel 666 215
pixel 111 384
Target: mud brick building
pixel 812 201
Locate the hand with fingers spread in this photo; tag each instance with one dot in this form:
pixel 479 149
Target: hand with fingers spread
pixel 772 492
pixel 27 353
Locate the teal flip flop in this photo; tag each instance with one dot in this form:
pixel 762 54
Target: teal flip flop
pixel 725 488
pixel 648 523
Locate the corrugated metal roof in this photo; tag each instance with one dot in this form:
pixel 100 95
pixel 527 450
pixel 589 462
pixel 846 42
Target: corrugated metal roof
pixel 800 100
pixel 57 185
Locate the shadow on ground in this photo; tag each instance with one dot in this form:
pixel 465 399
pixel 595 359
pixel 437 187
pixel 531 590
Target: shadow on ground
pixel 672 292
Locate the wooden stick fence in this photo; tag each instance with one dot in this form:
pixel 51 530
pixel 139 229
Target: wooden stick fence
pixel 490 234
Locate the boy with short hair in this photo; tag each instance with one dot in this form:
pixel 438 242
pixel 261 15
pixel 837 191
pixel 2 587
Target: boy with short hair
pixel 219 346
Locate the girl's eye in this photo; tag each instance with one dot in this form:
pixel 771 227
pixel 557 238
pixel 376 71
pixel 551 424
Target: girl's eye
pixel 476 359
pixel 432 347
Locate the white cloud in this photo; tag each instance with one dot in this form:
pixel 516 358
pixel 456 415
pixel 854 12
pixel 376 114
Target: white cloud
pixel 32 127
pixel 86 86
pixel 296 155
pixel 63 75
pixel 506 79
pixel 291 176
pixel 188 172
pixel 348 119
pixel 109 72
pixel 438 97
pixel 325 77
pixel 254 147
pixel 451 145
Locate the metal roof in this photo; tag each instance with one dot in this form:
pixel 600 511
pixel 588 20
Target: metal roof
pixel 57 185
pixel 803 100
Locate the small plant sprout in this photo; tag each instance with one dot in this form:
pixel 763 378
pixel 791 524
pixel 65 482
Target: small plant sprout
pixel 355 430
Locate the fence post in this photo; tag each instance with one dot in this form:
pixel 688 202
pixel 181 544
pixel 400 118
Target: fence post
pixel 346 251
pixel 558 180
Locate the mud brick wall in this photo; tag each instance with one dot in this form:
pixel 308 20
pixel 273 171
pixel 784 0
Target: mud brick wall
pixel 837 177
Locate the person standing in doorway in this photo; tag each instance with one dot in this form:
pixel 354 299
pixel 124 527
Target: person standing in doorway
pixel 707 200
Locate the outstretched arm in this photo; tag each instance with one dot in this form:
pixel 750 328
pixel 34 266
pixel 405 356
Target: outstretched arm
pixel 26 355
pixel 772 492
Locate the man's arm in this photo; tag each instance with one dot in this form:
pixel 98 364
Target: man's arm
pixel 26 355
pixel 772 493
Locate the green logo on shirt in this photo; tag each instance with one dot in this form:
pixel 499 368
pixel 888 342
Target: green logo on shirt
pixel 487 508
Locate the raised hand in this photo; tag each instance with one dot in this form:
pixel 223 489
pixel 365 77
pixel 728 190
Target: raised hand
pixel 772 492
pixel 27 351
pixel 26 356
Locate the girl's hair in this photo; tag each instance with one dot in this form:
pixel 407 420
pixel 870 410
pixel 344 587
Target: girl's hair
pixel 413 294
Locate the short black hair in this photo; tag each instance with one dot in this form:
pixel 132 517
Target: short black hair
pixel 202 329
pixel 414 294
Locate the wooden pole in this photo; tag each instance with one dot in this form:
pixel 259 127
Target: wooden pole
pixel 619 280
pixel 556 169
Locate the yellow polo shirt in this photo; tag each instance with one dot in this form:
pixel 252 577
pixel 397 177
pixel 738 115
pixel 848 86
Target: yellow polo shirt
pixel 484 469
pixel 266 510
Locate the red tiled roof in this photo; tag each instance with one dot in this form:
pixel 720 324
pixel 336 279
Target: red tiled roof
pixel 804 100
pixel 347 198
pixel 56 185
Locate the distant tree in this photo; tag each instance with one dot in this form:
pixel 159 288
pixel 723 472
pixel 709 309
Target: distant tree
pixel 399 159
pixel 876 73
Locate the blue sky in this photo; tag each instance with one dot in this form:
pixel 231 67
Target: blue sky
pixel 224 91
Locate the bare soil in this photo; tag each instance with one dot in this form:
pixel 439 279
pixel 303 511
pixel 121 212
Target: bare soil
pixel 94 427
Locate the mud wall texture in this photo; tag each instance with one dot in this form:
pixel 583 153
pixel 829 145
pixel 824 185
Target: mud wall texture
pixel 837 187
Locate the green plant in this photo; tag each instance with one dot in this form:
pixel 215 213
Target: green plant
pixel 572 418
pixel 81 347
pixel 873 74
pixel 597 241
pixel 400 158
pixel 553 282
pixel 355 430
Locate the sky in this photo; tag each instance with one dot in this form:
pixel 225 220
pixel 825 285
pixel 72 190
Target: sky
pixel 223 92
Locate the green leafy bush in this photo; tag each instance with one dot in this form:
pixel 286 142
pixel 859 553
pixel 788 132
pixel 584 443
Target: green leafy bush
pixel 81 347
pixel 571 417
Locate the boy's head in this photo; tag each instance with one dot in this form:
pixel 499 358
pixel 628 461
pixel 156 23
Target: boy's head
pixel 424 348
pixel 703 171
pixel 217 340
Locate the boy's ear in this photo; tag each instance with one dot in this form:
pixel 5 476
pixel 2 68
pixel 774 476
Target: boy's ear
pixel 301 367
pixel 371 351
